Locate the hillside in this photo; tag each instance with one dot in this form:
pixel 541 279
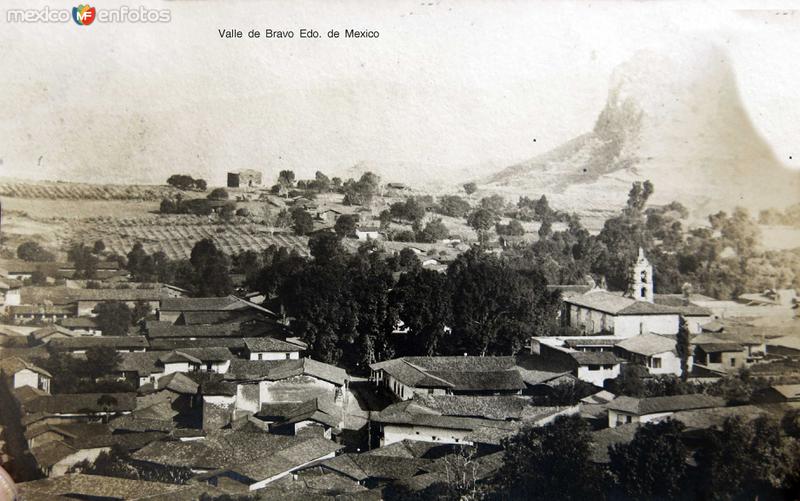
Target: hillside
pixel 678 121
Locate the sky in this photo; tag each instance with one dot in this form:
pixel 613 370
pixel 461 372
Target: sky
pixel 448 88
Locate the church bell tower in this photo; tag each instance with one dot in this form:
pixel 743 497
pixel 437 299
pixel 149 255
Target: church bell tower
pixel 641 288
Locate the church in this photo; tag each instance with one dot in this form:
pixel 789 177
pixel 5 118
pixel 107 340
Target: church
pixel 638 311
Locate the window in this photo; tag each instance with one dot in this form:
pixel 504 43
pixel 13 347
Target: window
pixel 430 391
pixel 261 356
pixel 733 362
pixel 608 367
pixel 715 358
pixel 594 367
pixel 656 363
pixel 288 355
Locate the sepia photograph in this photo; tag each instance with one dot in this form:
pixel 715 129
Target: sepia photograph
pixel 399 250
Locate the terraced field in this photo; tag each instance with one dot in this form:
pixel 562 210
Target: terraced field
pixel 176 235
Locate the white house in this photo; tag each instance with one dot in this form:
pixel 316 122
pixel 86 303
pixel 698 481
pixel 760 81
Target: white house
pixel 623 410
pixel 21 373
pixel 267 348
pixel 657 353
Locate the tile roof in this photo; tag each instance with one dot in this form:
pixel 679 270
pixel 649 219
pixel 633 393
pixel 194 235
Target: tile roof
pixel 653 405
pixel 50 453
pixel 361 467
pixel 178 383
pixel 791 342
pixel 80 403
pixel 595 357
pixel 166 330
pixel 273 370
pixel 268 344
pixel 169 344
pixel 15 364
pixel 790 391
pixel 647 344
pixel 143 363
pixel 617 304
pixel 52 330
pixel 458 373
pixel 79 323
pixel 226 303
pixel 288 458
pixel 85 342
pixel 95 487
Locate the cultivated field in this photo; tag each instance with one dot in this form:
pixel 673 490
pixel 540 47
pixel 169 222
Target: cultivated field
pixel 83 191
pixel 175 235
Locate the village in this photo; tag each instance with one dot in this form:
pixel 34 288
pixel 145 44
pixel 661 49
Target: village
pixel 385 354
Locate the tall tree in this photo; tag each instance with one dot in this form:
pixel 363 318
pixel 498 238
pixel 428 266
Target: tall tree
pixel 113 318
pixel 683 346
pixel 550 462
pixel 654 464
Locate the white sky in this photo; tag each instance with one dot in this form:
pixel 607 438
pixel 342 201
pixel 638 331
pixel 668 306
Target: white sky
pixel 448 86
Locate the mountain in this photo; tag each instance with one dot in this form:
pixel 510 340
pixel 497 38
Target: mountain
pixel 677 120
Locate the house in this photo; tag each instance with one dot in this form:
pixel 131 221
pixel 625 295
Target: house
pixel 639 311
pixel 409 376
pixel 719 354
pixel 82 302
pixel 238 460
pixel 174 389
pixel 657 353
pixel 26 313
pixel 244 178
pixel 623 410
pixel 18 269
pixel 785 346
pixel 20 373
pixel 590 360
pixel 81 486
pixel 778 394
pixel 366 233
pixel 84 407
pixel 458 419
pixel 259 382
pixel 267 348
pixel 369 469
pixel 171 308
pixel 78 345
pixel 320 414
pixel 47 334
pixel 82 325
pixel 149 367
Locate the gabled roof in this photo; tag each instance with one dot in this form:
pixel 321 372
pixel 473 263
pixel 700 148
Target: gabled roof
pixel 617 304
pixel 95 487
pixel 647 344
pixel 141 362
pixel 14 365
pixel 178 383
pixel 52 452
pixel 317 409
pixel 362 467
pixel 79 323
pixel 50 331
pixel 268 344
pixel 790 391
pixel 791 342
pixel 169 344
pixel 458 373
pixel 274 370
pixel 166 330
pixel 178 357
pixel 654 405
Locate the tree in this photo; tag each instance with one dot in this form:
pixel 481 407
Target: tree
pixel 302 222
pixel 361 192
pixel 113 318
pixel 325 247
pixel 321 182
pixel 286 178
pixel 210 270
pixel 481 221
pixel 345 226
pixel 140 311
pixel 200 185
pixel 99 246
pixel 423 301
pixel 550 462
pixel 185 183
pixel 434 231
pixel 494 203
pixel 513 228
pixel 32 251
pixel 497 309
pixel 218 194
pixel 653 464
pixel 683 346
pixel 470 188
pixel 101 361
pixel 747 460
pixel 453 206
pixel 84 260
